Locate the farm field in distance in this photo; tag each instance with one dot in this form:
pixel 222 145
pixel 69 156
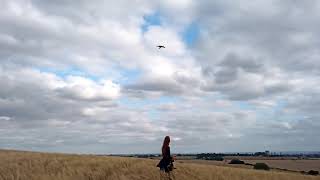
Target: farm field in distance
pixel 294 165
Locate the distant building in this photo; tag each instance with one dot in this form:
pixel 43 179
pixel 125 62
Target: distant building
pixel 267 153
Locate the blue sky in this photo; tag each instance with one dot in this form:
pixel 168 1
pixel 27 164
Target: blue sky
pixel 191 33
pixel 153 19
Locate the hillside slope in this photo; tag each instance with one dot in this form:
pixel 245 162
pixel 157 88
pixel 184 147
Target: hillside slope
pixel 43 166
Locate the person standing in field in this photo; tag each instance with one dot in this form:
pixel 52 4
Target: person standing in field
pixel 166 163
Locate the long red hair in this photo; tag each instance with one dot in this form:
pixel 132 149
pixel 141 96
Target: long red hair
pixel 165 145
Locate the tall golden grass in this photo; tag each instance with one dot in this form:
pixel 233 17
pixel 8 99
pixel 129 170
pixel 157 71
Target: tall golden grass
pixel 45 166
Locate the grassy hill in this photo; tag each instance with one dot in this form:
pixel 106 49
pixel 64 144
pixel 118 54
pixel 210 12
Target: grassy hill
pixel 44 166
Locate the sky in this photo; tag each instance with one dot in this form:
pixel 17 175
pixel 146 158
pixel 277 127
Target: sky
pixel 86 76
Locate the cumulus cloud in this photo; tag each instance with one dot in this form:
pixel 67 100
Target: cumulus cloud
pixel 30 94
pixel 245 79
pixel 86 89
pixel 81 73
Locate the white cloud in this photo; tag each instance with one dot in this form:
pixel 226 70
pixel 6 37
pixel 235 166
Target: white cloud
pixel 5 118
pixel 83 88
pixel 250 76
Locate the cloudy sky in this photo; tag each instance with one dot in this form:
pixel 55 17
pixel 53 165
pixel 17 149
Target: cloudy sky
pixel 85 76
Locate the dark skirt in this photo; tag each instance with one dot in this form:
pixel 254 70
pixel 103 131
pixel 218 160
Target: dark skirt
pixel 165 165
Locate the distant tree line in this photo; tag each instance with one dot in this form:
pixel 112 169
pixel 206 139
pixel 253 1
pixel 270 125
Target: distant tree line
pixel 264 154
pixel 210 156
pixel 220 156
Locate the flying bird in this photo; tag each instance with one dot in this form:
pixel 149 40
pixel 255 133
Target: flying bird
pixel 161 47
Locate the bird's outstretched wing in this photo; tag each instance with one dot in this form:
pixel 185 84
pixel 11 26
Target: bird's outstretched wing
pixel 159 47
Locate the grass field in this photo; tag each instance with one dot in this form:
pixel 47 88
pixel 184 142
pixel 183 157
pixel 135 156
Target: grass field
pixel 293 165
pixel 43 166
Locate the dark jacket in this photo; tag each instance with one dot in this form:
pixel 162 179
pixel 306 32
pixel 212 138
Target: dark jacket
pixel 166 163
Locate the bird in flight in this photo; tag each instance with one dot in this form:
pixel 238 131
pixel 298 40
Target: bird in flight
pixel 160 46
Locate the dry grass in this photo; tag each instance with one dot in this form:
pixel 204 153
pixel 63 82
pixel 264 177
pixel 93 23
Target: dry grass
pixel 42 166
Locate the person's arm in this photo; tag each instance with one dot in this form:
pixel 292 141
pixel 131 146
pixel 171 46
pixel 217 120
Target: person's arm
pixel 169 154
